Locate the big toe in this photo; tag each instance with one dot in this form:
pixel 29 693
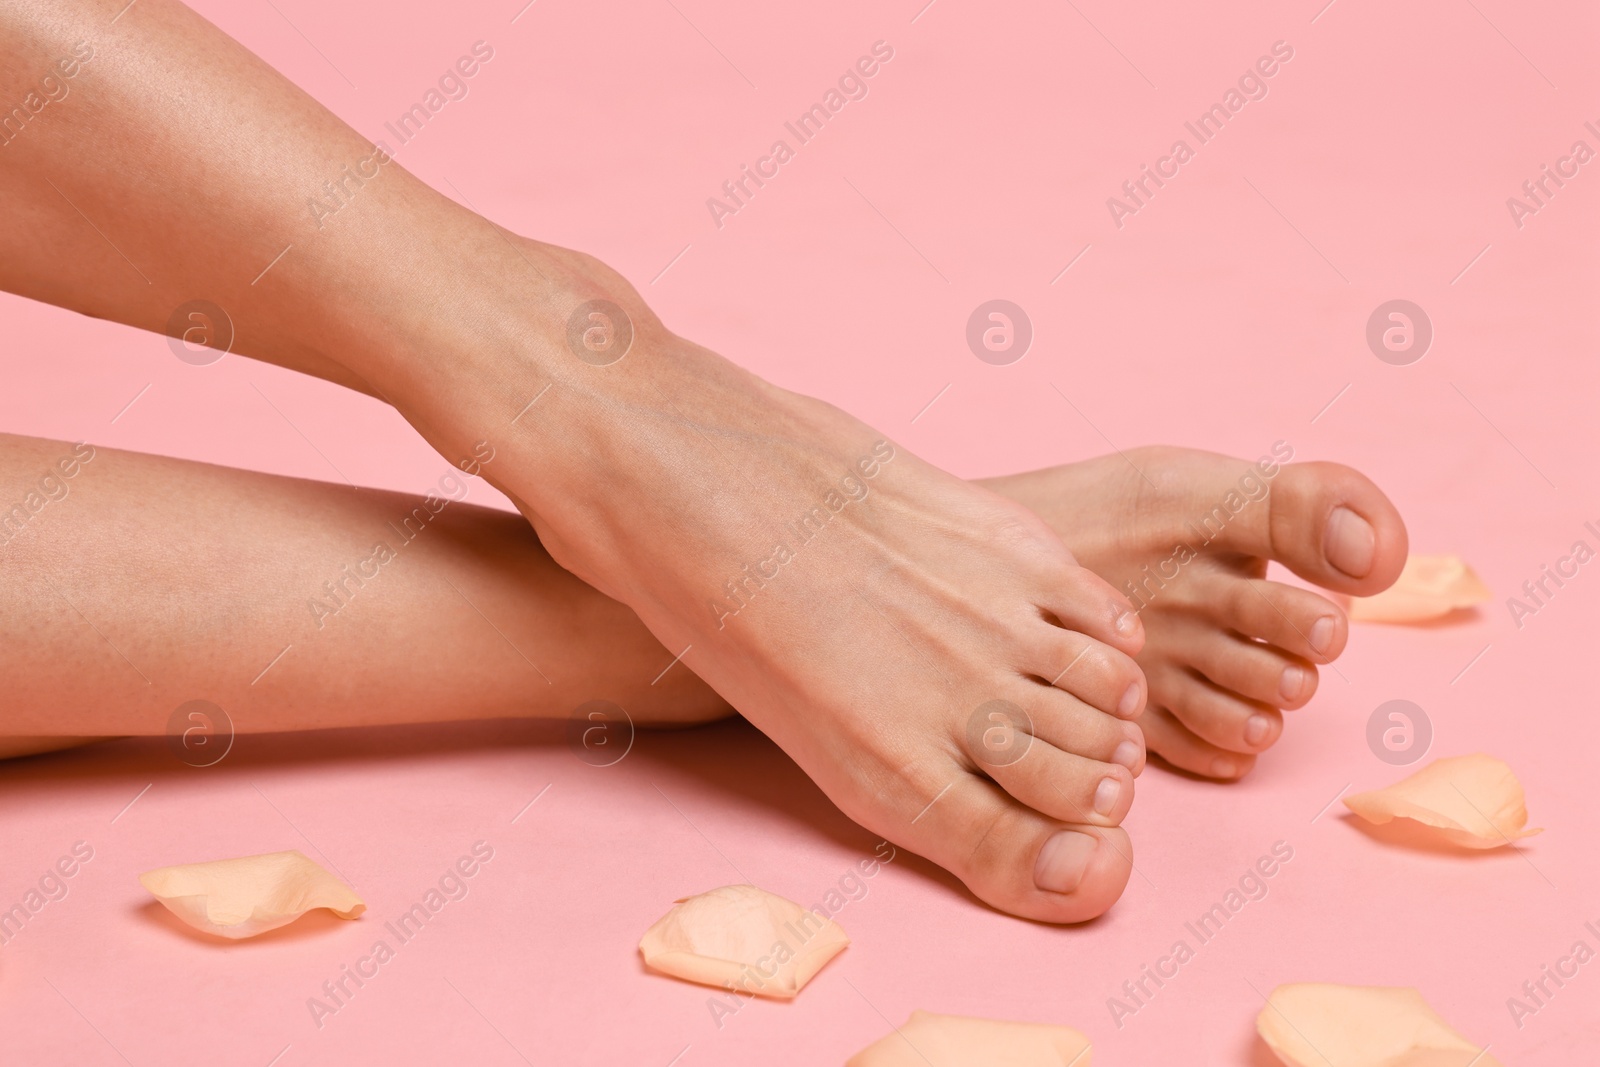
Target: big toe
pixel 1326 522
pixel 1331 525
pixel 1018 860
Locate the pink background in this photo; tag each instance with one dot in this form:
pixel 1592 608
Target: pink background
pixel 1226 314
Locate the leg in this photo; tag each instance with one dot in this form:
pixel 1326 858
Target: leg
pixel 863 613
pixel 143 582
pixel 1224 644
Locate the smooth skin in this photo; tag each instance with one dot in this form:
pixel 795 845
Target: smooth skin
pixel 142 582
pixel 655 479
pixel 1226 651
pixel 145 582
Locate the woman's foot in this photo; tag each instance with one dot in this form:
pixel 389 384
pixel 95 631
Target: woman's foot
pixel 926 650
pixel 1186 535
pixel 874 650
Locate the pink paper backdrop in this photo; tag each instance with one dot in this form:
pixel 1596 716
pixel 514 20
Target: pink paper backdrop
pixel 1228 312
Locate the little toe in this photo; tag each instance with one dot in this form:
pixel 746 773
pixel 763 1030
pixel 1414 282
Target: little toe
pixel 1178 745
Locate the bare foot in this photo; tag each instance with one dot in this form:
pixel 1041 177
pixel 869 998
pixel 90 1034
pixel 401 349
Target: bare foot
pixel 926 650
pixel 1187 536
pixel 873 649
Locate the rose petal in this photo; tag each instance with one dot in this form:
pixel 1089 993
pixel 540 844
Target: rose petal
pixel 250 895
pixel 1473 801
pixel 1429 587
pixel 744 938
pixel 1318 1025
pixel 928 1040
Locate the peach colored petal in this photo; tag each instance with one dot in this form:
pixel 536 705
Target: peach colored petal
pixel 1317 1025
pixel 1429 587
pixel 743 938
pixel 1472 801
pixel 250 895
pixel 928 1040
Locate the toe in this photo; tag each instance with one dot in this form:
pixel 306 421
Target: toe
pixel 1214 714
pixel 1251 669
pixel 1298 621
pixel 1063 785
pixel 1023 862
pixel 999 732
pixel 1331 525
pixel 1030 825
pixel 1078 599
pixel 1326 522
pixel 1178 745
pixel 1076 879
pixel 1101 676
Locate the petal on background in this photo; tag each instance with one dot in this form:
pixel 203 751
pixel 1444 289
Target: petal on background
pixel 250 895
pixel 1317 1025
pixel 742 937
pixel 1472 801
pixel 1429 587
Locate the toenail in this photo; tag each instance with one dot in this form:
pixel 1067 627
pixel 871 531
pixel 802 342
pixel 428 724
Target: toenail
pixel 1293 682
pixel 1256 729
pixel 1322 635
pixel 1063 861
pixel 1106 795
pixel 1128 754
pixel 1128 623
pixel 1131 701
pixel 1350 542
pixel 1224 768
